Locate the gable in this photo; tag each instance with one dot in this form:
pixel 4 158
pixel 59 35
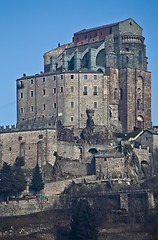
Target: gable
pixel 130 26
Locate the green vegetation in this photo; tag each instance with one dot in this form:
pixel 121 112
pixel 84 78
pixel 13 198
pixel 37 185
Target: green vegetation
pixel 83 224
pixel 20 180
pixel 20 161
pixel 37 181
pixel 8 183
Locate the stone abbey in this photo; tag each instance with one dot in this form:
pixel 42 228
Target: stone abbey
pixel 101 75
pixel 104 69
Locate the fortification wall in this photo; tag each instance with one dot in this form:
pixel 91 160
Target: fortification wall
pixel 32 145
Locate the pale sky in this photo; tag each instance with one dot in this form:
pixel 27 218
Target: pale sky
pixel 29 28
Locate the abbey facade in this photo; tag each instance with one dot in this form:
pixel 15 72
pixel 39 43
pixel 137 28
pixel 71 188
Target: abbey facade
pixel 104 71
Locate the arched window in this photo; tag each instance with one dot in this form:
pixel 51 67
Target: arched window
pixel 138 104
pixel 140 57
pixel 115 93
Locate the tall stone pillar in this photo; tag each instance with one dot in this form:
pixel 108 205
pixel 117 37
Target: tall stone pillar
pixel 124 201
pixel 65 63
pixel 77 60
pixel 92 58
pixel 53 63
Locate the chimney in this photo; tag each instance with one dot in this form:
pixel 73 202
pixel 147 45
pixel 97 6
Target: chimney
pixel 24 75
pixel 58 44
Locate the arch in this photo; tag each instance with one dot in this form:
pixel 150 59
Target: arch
pixel 71 64
pixel 100 70
pixel 85 60
pixel 101 58
pixel 140 122
pixel 93 151
pixel 138 104
pixel 145 168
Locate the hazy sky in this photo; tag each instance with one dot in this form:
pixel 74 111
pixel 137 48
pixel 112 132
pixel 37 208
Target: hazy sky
pixel 29 28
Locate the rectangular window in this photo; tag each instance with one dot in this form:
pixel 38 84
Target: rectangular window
pixel 44 92
pixel 95 90
pixel 54 77
pixel 20 138
pixel 31 108
pixel 31 94
pixel 95 104
pixel 72 89
pixel 72 104
pixel 21 110
pixel 54 90
pixel 44 79
pixel 85 76
pixel 22 95
pixel 61 89
pixel 61 76
pixel 85 90
pixel 55 105
pixel 72 76
pixel 40 136
pixel 31 81
pixel 71 119
pixel 95 77
pixel 44 106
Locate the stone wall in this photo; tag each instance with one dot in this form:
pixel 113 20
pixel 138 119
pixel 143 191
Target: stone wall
pixel 33 145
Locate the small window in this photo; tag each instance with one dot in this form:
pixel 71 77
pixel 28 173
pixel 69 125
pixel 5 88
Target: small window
pixel 71 119
pixel 44 106
pixel 20 138
pixel 138 104
pixel 127 60
pixel 31 81
pixel 72 89
pixel 31 108
pixel 95 90
pixel 54 77
pixel 31 94
pixel 61 76
pixel 85 36
pixel 72 76
pixel 127 49
pixel 115 93
pixel 44 92
pixel 61 89
pixel 85 90
pixel 121 94
pixel 21 95
pixel 44 79
pixel 55 105
pixel 96 34
pixel 21 110
pixel 72 104
pixel 95 104
pixel 54 90
pixel 140 57
pixel 40 136
pixel 10 148
pixel 95 77
pixel 85 76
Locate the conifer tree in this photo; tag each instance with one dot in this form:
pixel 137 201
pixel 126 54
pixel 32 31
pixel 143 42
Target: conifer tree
pixel 37 183
pixel 83 225
pixel 8 184
pixel 20 180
